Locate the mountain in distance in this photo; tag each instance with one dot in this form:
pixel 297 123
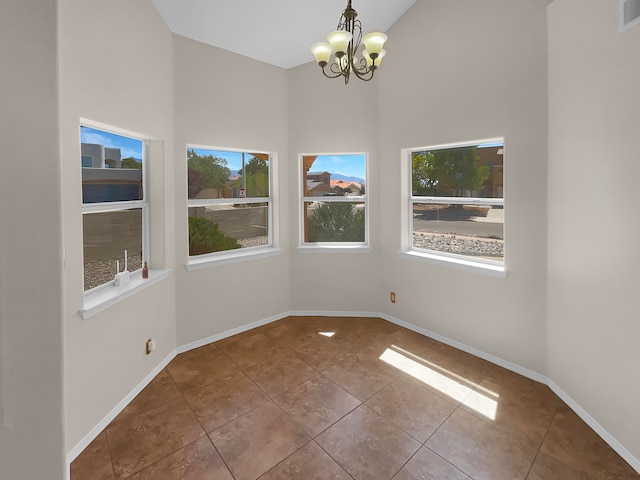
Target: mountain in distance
pixel 344 178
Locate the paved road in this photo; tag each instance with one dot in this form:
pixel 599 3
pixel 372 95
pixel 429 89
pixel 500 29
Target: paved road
pixel 460 227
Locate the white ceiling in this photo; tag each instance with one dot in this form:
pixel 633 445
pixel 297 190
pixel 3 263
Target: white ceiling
pixel 278 32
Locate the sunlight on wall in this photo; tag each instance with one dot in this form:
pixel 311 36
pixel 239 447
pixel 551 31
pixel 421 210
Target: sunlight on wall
pixel 482 401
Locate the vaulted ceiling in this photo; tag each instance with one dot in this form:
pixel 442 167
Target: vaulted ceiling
pixel 278 32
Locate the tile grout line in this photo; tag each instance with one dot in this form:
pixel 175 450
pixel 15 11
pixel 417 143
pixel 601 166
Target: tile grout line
pixel 544 438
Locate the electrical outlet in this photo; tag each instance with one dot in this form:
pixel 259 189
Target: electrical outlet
pixel 392 297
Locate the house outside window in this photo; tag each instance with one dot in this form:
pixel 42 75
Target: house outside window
pixel 456 207
pixel 230 202
pixel 114 206
pixel 334 200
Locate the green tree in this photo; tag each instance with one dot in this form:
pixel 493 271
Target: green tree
pixel 336 222
pixel 213 169
pixel 206 237
pixel 447 172
pixel 257 172
pixel 130 162
pixel 195 182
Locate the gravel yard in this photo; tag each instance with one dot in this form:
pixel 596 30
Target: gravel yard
pixel 102 271
pixel 460 245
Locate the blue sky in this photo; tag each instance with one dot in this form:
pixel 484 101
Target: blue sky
pixel 129 147
pixel 234 159
pixel 347 165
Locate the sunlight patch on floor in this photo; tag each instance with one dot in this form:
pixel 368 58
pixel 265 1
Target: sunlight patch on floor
pixel 327 334
pixel 454 386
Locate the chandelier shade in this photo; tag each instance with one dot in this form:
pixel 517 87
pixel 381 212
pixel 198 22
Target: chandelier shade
pixel 344 44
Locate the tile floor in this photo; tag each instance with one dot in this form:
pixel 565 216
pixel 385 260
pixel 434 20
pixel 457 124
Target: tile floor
pixel 344 398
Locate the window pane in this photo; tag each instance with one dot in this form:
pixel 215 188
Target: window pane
pixel 334 221
pixel 333 175
pixel 111 167
pixel 217 228
pixel 472 230
pixel 472 171
pixel 106 236
pixel 225 174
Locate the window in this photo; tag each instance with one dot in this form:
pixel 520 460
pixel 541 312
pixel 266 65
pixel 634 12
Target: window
pixel 229 201
pixel 114 207
pixel 334 204
pixel 456 204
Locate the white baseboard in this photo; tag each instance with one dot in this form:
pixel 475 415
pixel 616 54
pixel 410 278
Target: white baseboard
pixel 95 431
pixel 599 429
pixel 525 372
pixel 230 333
pixel 583 414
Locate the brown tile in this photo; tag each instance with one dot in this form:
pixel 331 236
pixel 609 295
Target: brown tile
pixel 524 386
pixel 224 400
pixel 257 441
pixel 94 463
pixel 308 463
pixel 480 449
pixel 252 348
pixel 547 468
pixel 527 417
pixel 288 331
pixel 367 445
pixel 426 465
pixel 321 351
pixel 149 437
pixel 316 404
pixel 361 378
pixel 417 344
pixel 194 352
pixel 426 374
pixel 161 389
pixel 572 442
pixel 415 410
pixel 280 373
pixel 194 371
pixel 197 461
pixel 445 357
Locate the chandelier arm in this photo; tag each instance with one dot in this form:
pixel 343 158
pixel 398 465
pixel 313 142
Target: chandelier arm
pixel 347 61
pixel 361 74
pixel 334 73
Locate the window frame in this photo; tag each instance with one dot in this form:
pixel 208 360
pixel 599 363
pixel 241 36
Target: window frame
pixel 105 207
pixel 333 247
pixel 205 260
pixel 465 262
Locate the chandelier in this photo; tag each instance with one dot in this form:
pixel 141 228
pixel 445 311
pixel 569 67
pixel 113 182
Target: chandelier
pixel 344 44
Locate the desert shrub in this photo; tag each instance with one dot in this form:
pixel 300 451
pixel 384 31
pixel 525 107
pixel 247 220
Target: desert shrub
pixel 336 222
pixel 206 237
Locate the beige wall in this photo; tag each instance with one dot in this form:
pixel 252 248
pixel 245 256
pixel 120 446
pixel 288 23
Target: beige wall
pixel 451 77
pixel 447 77
pixel 224 100
pixel 594 254
pixel 132 90
pixel 31 396
pixel 325 116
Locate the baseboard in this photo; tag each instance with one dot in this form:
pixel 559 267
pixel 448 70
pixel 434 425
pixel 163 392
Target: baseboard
pixel 91 436
pixel 599 429
pixel 525 372
pixel 583 414
pixel 230 333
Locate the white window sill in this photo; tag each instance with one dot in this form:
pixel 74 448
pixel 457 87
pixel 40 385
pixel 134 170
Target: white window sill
pixel 334 249
pixel 95 303
pixel 231 256
pixel 468 265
